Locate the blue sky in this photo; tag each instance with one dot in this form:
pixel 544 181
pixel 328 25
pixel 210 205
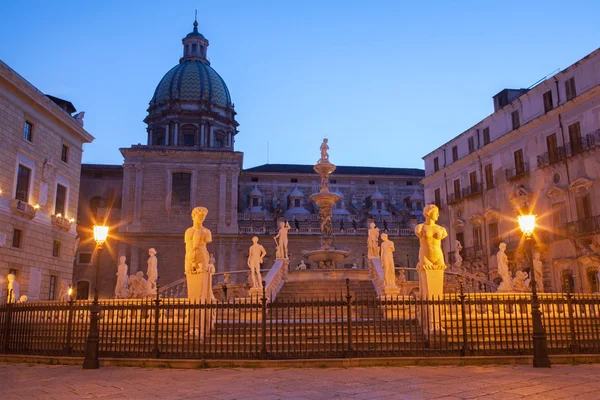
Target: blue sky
pixel 385 81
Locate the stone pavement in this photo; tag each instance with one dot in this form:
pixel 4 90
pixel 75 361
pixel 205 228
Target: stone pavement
pixel 27 381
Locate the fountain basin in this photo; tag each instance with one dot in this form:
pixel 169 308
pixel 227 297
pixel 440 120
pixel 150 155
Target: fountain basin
pixel 326 255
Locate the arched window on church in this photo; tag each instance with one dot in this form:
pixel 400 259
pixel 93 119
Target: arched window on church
pixel 159 137
pixel 180 189
pixel 189 132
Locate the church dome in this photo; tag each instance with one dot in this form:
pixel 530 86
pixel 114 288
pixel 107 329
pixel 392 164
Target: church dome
pixel 192 80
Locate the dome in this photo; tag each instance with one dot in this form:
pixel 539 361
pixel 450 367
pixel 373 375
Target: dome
pixel 192 80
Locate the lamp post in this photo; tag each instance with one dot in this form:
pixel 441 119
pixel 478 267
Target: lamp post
pixel 91 348
pixel 540 345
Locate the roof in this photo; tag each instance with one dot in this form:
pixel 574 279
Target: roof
pixel 340 170
pixel 64 104
pixel 101 167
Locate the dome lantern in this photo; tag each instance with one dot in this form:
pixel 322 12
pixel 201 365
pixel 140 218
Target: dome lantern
pixel 194 46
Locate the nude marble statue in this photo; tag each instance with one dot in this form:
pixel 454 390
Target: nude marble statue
pixel 503 271
pixel 282 244
pixel 121 291
pixel 387 260
pixel 538 270
pixel 430 234
pixel 197 258
pixel 324 154
pixel 373 241
pixel 13 289
pixel 152 271
pixel 256 254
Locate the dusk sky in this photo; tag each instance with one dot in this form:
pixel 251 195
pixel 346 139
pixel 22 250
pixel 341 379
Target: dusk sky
pixel 386 81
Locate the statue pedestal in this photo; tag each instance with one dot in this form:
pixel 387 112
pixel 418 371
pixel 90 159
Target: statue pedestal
pixel 505 287
pixel 431 286
pixel 391 290
pixel 431 282
pixel 256 293
pixel 194 287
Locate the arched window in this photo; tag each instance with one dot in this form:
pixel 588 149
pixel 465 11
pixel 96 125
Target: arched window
pixel 181 189
pixel 83 290
pixel 189 132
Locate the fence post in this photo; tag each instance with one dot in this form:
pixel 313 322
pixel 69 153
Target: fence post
pixel 573 346
pixel 466 349
pixel 69 346
pixel 9 306
pixel 263 349
pixel 349 350
pixel 156 350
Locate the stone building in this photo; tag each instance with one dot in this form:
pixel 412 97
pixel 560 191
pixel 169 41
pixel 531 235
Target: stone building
pixel 540 152
pixel 190 160
pixel 40 163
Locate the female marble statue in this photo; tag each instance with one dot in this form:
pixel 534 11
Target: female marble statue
pixel 430 237
pixel 13 289
pixel 387 260
pixel 197 258
pixel 152 271
pixel 373 241
pixel 503 271
pixel 538 268
pixel 256 254
pixel 121 290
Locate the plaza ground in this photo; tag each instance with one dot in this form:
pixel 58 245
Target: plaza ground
pixel 33 381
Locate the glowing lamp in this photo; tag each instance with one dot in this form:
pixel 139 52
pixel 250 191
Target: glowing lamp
pixel 70 291
pixel 527 224
pixel 59 215
pixel 100 233
pixel 37 206
pixel 72 220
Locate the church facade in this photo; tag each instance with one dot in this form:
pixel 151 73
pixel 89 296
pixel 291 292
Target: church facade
pixel 190 160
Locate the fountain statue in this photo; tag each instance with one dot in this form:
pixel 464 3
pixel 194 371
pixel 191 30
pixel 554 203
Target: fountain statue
pixel 431 264
pixel 327 256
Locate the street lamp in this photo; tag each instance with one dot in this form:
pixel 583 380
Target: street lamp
pixel 540 345
pixel 91 349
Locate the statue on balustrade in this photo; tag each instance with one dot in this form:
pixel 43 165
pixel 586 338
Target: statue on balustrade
pixel 282 244
pixel 521 282
pixel 63 291
pixel 138 286
pixel 197 258
pixel 503 271
pixel 458 260
pixel 430 234
pixel 13 292
pixel 387 261
pixel 538 270
pixel 121 291
pixel 256 254
pixel 152 271
pixel 373 241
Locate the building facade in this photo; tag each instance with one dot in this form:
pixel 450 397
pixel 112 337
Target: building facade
pixel 40 158
pixel 190 160
pixel 538 152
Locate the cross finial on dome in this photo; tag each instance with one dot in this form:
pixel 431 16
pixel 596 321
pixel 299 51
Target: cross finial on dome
pixel 196 21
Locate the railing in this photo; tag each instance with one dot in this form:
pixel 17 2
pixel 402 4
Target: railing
pixel 472 253
pixel 560 153
pixel 22 208
pixel 377 275
pixel 584 226
pixel 473 190
pixel 276 277
pixel 266 230
pixel 342 326
pixel 455 198
pixel 517 171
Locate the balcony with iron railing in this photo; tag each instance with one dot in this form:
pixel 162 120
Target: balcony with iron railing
pixel 584 226
pixel 516 172
pixel 473 190
pixel 473 252
pixel 454 198
pixel 23 209
pixel 588 142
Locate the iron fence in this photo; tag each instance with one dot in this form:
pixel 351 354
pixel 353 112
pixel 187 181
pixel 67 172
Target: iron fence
pixel 347 325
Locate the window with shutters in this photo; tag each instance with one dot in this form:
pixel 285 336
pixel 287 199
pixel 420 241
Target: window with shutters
pixel 471 141
pixel 516 121
pixel 52 289
pixel 584 207
pixel 486 136
pixel 436 164
pixel 489 176
pixel 570 88
pixel 457 189
pixel 519 162
pixel 56 248
pixel 454 153
pixel 23 182
pixel 477 238
pixel 28 131
pixel 61 199
pixel 548 104
pixel 575 138
pixel 552 145
pixel 437 198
